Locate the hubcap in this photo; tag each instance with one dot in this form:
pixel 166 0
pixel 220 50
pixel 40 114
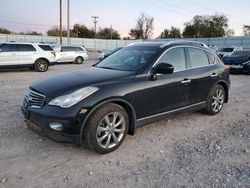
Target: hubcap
pixel 79 60
pixel 42 66
pixel 110 130
pixel 218 100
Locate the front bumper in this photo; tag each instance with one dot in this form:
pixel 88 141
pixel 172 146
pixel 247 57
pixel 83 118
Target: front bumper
pixel 38 121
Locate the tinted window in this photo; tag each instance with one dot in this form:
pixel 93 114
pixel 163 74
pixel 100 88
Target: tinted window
pixel 211 58
pixel 26 48
pixel 226 49
pixel 8 47
pixel 78 49
pixel 175 57
pixel 198 57
pixel 46 47
pixel 68 49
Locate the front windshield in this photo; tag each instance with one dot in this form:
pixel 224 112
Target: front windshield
pixel 226 49
pixel 129 58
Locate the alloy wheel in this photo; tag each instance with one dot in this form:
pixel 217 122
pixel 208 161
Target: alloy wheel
pixel 110 130
pixel 218 100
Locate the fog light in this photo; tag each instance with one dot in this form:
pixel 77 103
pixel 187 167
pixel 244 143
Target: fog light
pixel 56 126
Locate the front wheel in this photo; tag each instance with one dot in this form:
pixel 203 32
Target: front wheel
pixel 106 128
pixel 215 100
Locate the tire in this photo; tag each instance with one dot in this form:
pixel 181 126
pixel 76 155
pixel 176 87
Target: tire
pixel 41 65
pixel 106 128
pixel 79 60
pixel 215 101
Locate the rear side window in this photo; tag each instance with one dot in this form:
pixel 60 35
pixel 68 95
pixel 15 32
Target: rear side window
pixel 211 58
pixel 78 49
pixel 198 57
pixel 8 48
pixel 68 49
pixel 46 47
pixel 26 48
pixel 175 57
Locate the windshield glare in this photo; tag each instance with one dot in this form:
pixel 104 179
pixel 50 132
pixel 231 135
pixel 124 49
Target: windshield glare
pixel 129 59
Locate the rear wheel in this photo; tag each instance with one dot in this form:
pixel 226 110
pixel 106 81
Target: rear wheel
pixel 215 100
pixel 79 60
pixel 41 65
pixel 106 128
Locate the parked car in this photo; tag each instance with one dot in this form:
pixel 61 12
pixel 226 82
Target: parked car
pixel 30 55
pixel 238 62
pixel 103 55
pixel 139 84
pixel 224 52
pixel 74 54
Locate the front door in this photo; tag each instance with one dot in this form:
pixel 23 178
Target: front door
pixel 168 91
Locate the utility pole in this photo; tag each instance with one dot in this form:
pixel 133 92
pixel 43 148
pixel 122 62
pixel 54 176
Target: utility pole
pixel 95 22
pixel 68 33
pixel 111 32
pixel 60 5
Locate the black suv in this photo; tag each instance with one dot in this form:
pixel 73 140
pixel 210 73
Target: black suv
pixel 139 84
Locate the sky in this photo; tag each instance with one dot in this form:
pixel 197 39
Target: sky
pixel 41 15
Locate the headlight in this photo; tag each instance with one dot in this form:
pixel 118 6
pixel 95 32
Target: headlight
pixel 71 99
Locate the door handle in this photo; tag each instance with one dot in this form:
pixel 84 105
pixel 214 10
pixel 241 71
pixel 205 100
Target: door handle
pixel 186 81
pixel 213 75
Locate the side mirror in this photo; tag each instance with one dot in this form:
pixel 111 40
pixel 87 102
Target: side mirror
pixel 164 68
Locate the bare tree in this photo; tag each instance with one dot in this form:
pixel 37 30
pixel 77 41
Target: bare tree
pixel 144 27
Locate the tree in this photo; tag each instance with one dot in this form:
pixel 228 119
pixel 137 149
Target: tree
pixel 107 32
pixel 246 30
pixel 172 33
pixel 82 31
pixel 144 27
pixel 207 26
pixel 30 33
pixel 5 31
pixel 55 31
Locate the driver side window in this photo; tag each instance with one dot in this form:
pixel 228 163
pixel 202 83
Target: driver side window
pixel 175 57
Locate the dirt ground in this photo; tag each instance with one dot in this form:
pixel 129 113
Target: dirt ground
pixel 194 150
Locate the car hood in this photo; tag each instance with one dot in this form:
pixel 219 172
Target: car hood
pixel 69 81
pixel 234 60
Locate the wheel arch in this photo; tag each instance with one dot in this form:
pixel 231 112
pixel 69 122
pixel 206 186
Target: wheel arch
pixel 226 88
pixel 44 58
pixel 123 103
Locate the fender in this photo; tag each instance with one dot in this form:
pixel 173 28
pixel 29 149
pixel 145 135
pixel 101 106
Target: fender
pixel 132 114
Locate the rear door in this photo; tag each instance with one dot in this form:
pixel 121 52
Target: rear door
pixel 203 73
pixel 26 53
pixel 67 54
pixel 8 54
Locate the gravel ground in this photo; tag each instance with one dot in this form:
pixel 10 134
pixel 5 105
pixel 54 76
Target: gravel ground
pixel 193 150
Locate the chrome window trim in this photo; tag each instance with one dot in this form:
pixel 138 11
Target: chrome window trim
pixel 180 46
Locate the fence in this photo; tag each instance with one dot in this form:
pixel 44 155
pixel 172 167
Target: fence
pixel 101 44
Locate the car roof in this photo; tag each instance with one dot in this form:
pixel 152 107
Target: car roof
pixel 36 43
pixel 169 43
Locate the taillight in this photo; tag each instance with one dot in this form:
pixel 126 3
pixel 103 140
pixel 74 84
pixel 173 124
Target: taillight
pixel 226 68
pixel 53 53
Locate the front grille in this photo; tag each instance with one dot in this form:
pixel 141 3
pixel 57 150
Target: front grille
pixel 35 99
